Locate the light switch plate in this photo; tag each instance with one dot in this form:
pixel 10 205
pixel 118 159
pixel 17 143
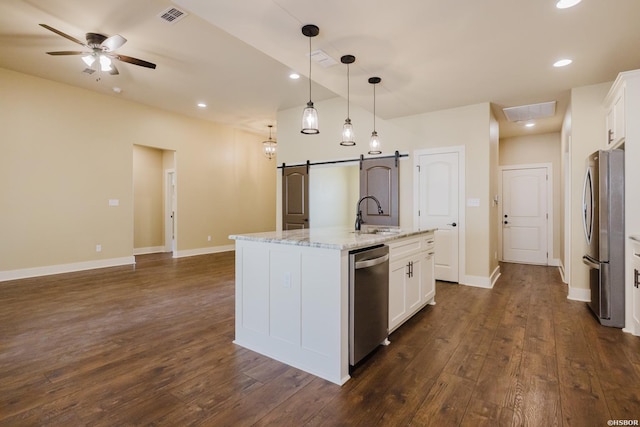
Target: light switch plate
pixel 114 202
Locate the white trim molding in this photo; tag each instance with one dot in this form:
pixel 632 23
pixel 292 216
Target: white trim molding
pixel 579 294
pixel 64 268
pixel 204 251
pixel 482 281
pixel 149 250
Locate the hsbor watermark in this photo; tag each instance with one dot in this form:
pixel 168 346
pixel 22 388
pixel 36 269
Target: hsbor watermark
pixel 622 422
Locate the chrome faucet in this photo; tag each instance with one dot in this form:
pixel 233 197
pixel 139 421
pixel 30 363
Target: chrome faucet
pixel 359 212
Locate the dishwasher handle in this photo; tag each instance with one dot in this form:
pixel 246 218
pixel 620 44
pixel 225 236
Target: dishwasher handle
pixel 371 262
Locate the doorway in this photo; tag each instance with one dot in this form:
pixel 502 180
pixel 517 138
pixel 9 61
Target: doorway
pixel 170 210
pixel 439 199
pixel 525 213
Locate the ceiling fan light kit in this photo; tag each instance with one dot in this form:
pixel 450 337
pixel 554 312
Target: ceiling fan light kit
pixel 310 114
pixel 100 48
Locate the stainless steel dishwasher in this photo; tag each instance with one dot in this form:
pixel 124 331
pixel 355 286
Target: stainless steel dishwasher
pixel 368 301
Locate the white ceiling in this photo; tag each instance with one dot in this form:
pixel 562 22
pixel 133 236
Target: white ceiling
pixel 236 55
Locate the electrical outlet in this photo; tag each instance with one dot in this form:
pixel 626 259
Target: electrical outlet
pixel 98 248
pixel 208 238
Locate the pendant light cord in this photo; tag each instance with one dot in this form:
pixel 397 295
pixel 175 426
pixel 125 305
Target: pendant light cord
pixel 374 107
pixel 309 69
pixel 348 92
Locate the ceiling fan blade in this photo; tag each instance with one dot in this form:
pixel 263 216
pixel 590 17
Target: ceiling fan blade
pixel 112 43
pixel 60 33
pixel 114 71
pixel 135 61
pixel 69 52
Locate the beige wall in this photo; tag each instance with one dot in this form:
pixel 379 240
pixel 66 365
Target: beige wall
pixel 148 206
pixel 583 134
pixel 468 126
pixel 532 149
pixel 66 151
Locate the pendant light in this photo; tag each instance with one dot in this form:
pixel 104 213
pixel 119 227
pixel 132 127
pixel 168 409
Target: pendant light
pixel 374 142
pixel 348 137
pixel 269 146
pixel 310 114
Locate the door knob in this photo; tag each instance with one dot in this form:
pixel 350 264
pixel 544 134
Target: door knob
pixel 453 224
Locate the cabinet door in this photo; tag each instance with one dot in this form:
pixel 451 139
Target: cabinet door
pixel 397 295
pixel 428 277
pixel 414 283
pixel 635 253
pixel 615 120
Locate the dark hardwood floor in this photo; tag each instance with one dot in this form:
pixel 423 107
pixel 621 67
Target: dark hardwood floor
pixel 153 346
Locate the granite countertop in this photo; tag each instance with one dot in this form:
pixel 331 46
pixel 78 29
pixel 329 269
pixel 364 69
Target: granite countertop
pixel 331 238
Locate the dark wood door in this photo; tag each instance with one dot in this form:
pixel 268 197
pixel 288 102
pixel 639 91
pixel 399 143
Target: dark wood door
pixel 379 178
pixel 295 198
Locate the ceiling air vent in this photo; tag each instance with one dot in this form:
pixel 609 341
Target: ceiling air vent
pixel 321 57
pixel 525 113
pixel 172 15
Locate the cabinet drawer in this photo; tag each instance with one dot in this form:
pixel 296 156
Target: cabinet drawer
pixel 405 247
pixel 429 242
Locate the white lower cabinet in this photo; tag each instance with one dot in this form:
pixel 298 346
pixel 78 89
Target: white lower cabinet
pixel 411 277
pixel 635 267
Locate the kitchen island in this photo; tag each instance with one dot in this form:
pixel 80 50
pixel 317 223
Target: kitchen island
pixel 292 291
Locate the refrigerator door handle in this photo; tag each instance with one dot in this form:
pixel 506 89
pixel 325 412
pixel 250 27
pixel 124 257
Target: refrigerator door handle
pixel 590 262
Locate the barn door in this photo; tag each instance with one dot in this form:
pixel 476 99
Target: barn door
pixel 379 178
pixel 295 197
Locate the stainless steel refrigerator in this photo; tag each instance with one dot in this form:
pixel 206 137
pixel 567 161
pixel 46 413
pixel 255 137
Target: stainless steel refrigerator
pixel 603 220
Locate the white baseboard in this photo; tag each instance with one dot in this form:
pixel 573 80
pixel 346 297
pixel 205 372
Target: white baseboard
pixel 561 270
pixel 64 268
pixel 554 262
pixel 205 251
pixel 477 281
pixel 579 294
pixel 148 250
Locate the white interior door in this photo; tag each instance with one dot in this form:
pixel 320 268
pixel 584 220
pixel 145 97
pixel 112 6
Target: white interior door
pixel 524 215
pixel 438 204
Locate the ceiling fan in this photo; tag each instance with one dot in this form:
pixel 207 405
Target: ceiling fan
pixel 101 49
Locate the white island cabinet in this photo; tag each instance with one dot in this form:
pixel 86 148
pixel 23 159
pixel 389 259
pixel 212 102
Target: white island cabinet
pixel 292 294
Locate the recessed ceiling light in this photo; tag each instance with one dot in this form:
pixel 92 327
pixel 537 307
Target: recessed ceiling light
pixel 529 125
pixel 294 76
pixel 565 4
pixel 562 63
pixel 202 105
pixel 116 89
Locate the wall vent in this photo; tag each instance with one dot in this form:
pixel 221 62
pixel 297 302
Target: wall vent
pixel 525 113
pixel 172 15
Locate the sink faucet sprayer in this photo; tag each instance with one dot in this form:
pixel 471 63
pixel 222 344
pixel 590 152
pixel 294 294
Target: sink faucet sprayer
pixel 359 212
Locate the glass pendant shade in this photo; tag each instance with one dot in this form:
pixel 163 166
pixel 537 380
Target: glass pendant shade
pixel 348 137
pixel 269 149
pixel 374 143
pixel 310 114
pixel 310 120
pixel 269 146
